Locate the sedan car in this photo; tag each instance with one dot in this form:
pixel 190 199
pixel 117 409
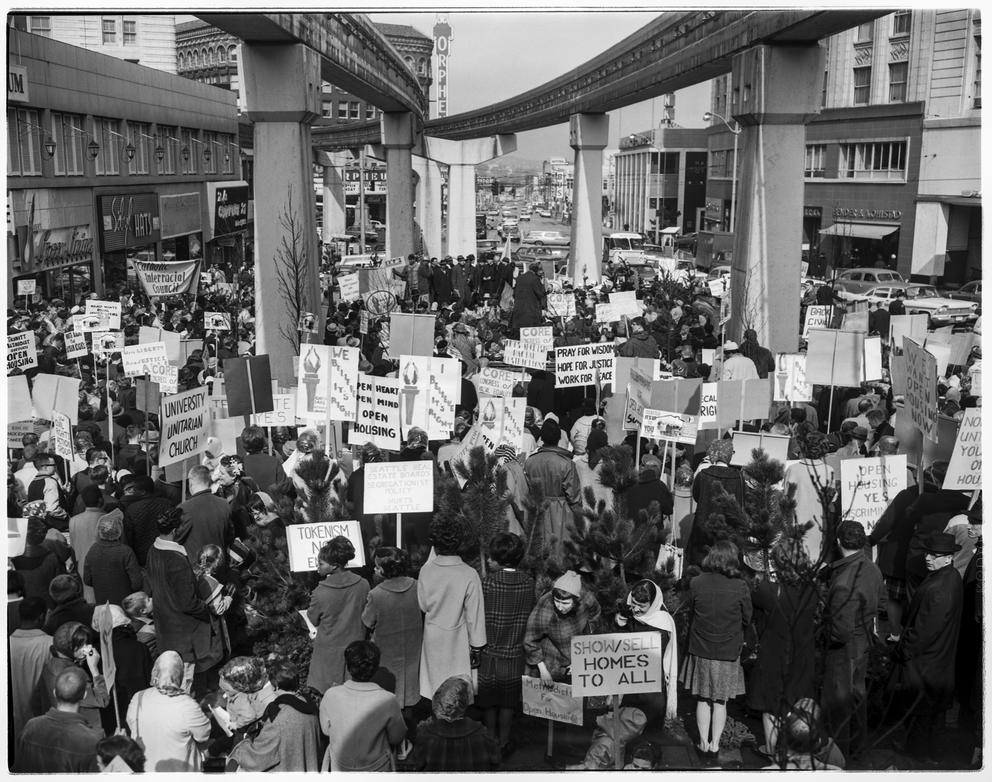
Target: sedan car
pixel 545 212
pixel 970 291
pixel 924 299
pixel 857 281
pixel 547 237
pixel 881 294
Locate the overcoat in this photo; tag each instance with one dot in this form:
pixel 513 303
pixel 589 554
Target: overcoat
pixel 336 611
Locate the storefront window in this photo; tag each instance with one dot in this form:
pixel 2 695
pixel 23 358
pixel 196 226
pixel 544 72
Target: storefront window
pixel 138 135
pixel 815 155
pixel 70 282
pixel 108 134
pixel 874 160
pixel 23 143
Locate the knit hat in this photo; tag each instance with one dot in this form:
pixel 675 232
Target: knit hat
pixel 550 432
pixel 721 450
pixel 570 582
pixel 111 525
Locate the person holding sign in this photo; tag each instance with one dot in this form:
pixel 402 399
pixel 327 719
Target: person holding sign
pixel 336 611
pixel 564 612
pixel 719 605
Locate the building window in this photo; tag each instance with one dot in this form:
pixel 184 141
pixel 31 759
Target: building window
pixel 40 25
pixel 862 85
pixel 342 109
pixel 188 150
pixel 182 62
pixel 170 144
pixel 409 62
pixel 355 110
pixel 874 160
pixel 211 56
pixel 210 151
pixel 422 66
pixel 978 72
pixel 130 32
pixel 67 132
pixel 228 154
pixel 823 91
pixel 23 143
pixel 901 23
pixel 369 111
pixel 898 73
pixel 107 136
pixel 222 54
pixel 326 107
pixel 815 154
pixel 232 54
pixel 720 160
pixel 109 32
pixel 138 136
pixel 864 34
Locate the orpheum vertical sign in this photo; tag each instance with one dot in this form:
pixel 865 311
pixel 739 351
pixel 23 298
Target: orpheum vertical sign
pixel 442 45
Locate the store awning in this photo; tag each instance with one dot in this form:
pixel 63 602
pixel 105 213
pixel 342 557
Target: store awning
pixel 859 230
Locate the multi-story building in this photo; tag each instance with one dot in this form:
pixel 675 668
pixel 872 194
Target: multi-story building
pixel 99 174
pixel 892 171
pixel 142 39
pixel 660 180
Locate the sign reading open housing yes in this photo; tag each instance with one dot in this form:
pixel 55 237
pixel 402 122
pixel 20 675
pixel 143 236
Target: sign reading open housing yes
pixel 399 487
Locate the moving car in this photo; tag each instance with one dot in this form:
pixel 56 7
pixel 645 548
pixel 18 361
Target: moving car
pixel 547 237
pixel 544 212
pixel 857 281
pixel 524 216
pixel 525 255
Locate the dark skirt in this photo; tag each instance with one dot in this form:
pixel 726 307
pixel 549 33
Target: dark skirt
pixel 712 680
pixel 499 682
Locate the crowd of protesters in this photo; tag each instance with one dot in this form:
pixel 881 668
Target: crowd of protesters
pixel 416 658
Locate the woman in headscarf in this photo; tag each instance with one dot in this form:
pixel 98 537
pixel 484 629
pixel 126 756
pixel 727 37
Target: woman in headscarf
pixel 167 721
pixel 450 741
pixel 717 475
pixel 589 466
pixel 644 610
pixel 814 482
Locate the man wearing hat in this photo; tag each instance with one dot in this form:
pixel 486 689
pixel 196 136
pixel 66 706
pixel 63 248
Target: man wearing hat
pixel 925 654
pixel 736 366
pixel 640 344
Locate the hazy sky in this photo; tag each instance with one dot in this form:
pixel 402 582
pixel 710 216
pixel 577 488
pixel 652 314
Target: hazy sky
pixel 497 55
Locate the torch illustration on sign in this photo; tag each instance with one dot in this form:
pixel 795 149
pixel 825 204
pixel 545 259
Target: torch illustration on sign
pixel 782 376
pixel 311 377
pixel 489 416
pixel 410 390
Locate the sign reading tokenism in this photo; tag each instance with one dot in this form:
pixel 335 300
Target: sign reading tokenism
pixel 184 426
pixel 167 278
pixel 399 487
pixel 304 542
pixel 616 663
pixel 964 472
pixel 585 365
pixel 22 353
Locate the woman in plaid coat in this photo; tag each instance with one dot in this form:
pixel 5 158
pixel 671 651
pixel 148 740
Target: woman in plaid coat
pixel 508 596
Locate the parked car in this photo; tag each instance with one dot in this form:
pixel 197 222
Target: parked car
pixel 485 246
pixel 970 291
pixel 544 212
pixel 524 216
pixel 525 255
pixel 547 237
pixel 942 311
pixel 857 281
pixel 371 235
pixel 880 293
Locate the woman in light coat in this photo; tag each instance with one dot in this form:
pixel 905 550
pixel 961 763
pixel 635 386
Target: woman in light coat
pixel 450 595
pixel 167 721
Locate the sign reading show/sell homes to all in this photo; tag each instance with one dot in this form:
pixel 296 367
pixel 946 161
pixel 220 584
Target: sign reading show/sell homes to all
pixel 616 663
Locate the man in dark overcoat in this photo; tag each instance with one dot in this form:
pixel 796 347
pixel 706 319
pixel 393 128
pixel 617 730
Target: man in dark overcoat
pixel 529 299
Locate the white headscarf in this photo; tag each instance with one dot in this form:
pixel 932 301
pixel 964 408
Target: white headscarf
pixel 657 616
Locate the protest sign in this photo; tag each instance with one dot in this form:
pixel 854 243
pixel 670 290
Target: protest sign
pixel 62 436
pixel 147 395
pixel 616 663
pixel 167 278
pixel 669 425
pixel 173 351
pixel 350 287
pixel 742 400
pixel 897 374
pixel 17 535
pixel 27 287
pixel 106 343
pixel 868 485
pixel 818 316
pixel 518 354
pixel 206 279
pixel 411 335
pixel 873 358
pixel 942 353
pixel 606 312
pixel 921 388
pixel 562 305
pixel 19 407
pixel 964 473
pixel 363 322
pixel 835 358
pixel 790 378
pixel 707 406
pixel 497 382
pixel 22 352
pixel 775 445
pixel 184 426
pixel 304 541
pixel 961 344
pixel 414 392
pixel 283 412
pixel 399 487
pixel 583 365
pixel 638 397
pixel 248 385
pixel 540 337
pixel 490 421
pixel 719 286
pixel 855 321
pixel 626 303
pixel 512 432
pixel 109 313
pixel 912 326
pixel 555 703
pixel 217 321
pixel 55 393
pixel 75 345
pixel 680 395
pixel 378 415
pixel 444 395
pixel 16 431
pixel 976 380
pixel 328 385
pixel 166 376
pixel 137 358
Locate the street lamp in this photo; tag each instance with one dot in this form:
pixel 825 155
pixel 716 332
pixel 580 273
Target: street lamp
pixel 736 130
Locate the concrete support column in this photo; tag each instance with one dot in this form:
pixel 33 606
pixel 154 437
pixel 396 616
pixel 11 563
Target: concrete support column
pixel 282 97
pixel 462 157
pixel 398 138
pixel 588 136
pixel 775 92
pixel 429 203
pixel 930 239
pixel 335 215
